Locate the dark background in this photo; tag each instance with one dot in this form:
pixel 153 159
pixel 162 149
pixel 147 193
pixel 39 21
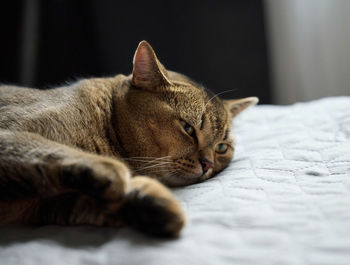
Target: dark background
pixel 220 44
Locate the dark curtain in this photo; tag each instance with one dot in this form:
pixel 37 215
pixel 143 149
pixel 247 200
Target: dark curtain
pixel 220 44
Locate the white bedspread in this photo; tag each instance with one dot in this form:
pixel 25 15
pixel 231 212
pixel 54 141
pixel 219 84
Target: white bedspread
pixel 284 200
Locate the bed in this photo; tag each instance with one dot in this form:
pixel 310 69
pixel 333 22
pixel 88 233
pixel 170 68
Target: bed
pixel 285 199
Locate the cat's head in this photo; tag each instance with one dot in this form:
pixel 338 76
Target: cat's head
pixel 178 132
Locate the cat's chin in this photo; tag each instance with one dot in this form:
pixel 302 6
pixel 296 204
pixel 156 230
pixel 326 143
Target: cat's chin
pixel 182 180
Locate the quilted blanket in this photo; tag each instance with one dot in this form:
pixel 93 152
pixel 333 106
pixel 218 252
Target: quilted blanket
pixel 285 199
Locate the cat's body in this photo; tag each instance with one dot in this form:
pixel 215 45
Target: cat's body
pixel 78 115
pixel 72 155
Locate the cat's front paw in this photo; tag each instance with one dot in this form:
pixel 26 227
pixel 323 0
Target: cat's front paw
pixel 100 177
pixel 151 208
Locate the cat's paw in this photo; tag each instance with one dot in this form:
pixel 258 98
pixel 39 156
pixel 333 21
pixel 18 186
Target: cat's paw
pixel 151 208
pixel 103 178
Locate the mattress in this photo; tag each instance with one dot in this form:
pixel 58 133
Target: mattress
pixel 285 199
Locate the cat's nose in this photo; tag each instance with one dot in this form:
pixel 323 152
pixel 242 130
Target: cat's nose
pixel 206 164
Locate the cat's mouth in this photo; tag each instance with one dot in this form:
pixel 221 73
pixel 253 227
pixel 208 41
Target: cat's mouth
pixel 206 175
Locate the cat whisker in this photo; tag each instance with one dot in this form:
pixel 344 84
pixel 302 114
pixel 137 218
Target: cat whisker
pixel 160 168
pixel 147 157
pixel 162 171
pixel 152 166
pixel 216 95
pixel 159 173
pixel 169 173
pixel 149 160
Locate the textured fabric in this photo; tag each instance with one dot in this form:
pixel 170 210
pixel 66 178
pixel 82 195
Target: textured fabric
pixel 285 199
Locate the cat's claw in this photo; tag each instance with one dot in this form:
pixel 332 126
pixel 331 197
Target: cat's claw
pixel 151 208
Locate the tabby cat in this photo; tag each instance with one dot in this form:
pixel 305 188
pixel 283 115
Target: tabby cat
pixel 96 152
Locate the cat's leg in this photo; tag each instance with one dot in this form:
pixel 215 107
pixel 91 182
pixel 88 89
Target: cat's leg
pixel 32 166
pixel 148 206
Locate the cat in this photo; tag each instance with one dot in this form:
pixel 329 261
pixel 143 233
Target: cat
pixel 101 151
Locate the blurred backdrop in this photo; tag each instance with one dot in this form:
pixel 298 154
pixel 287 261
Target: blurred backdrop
pixel 220 44
pixel 309 44
pixel 279 50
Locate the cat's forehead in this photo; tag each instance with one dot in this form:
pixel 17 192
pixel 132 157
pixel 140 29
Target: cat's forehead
pixel 216 116
pixel 194 104
pixel 187 101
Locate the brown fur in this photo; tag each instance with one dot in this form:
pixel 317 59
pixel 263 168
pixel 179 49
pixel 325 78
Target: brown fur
pixel 73 155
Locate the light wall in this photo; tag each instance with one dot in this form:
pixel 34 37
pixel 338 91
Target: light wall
pixel 309 47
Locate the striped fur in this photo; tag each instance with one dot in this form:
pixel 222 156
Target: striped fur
pixel 75 154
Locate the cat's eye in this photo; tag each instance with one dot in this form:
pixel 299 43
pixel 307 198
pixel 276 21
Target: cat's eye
pixel 221 148
pixel 188 128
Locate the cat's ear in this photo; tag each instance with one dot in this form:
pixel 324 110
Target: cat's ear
pixel 148 72
pixel 236 106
